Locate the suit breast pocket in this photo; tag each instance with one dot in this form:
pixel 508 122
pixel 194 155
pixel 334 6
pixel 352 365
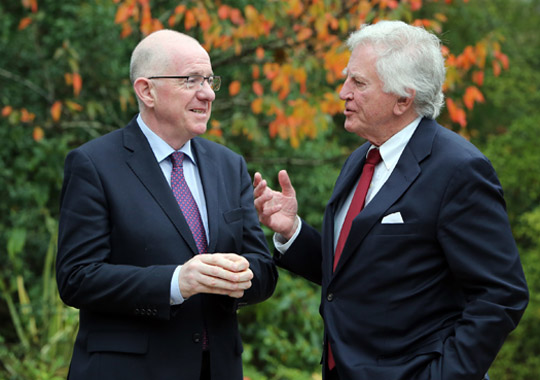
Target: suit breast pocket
pixel 402 229
pixel 233 215
pixel 231 231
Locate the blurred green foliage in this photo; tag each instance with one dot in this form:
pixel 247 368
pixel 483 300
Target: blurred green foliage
pixel 282 336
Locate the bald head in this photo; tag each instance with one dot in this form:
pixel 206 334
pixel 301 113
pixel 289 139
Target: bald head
pixel 157 52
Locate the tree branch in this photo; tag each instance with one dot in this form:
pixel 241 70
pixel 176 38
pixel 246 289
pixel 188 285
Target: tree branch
pixel 294 161
pixel 25 82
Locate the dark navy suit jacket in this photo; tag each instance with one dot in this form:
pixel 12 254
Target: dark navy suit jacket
pixel 433 297
pixel 122 235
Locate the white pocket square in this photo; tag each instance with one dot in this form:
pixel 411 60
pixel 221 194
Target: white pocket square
pixel 394 218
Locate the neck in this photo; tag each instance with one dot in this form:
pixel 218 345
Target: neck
pixel 172 135
pixel 395 127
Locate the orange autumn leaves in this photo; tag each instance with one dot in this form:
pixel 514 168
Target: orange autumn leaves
pixel 310 35
pixel 290 55
pixel 471 65
pixel 22 116
pixel 25 21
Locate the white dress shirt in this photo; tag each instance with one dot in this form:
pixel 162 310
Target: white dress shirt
pixel 390 152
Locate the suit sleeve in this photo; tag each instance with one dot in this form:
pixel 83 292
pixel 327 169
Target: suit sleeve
pixel 86 278
pixel 255 248
pixel 304 257
pixel 476 239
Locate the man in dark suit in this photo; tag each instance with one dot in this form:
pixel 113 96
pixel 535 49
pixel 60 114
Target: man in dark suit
pixel 159 242
pixel 425 282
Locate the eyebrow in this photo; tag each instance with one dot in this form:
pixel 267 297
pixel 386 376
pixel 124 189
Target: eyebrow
pixel 354 76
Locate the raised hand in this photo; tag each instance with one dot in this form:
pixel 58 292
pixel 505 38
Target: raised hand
pixel 217 273
pixel 277 210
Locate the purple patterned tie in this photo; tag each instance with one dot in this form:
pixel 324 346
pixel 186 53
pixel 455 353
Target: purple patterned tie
pixel 190 210
pixel 186 202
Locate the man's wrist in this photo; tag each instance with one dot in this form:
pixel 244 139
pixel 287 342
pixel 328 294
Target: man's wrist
pixel 281 243
pixel 176 295
pixel 292 232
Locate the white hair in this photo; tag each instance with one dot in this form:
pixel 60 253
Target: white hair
pixel 408 58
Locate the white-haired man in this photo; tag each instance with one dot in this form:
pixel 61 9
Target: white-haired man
pixel 420 274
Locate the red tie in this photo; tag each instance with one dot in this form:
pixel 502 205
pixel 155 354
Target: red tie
pixel 357 204
pixel 359 198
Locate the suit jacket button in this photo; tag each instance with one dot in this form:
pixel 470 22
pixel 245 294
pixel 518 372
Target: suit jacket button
pixel 196 337
pixel 330 297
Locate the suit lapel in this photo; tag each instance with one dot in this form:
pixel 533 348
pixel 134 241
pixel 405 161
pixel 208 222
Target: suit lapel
pixel 208 170
pixel 347 178
pixel 349 174
pixel 404 174
pixel 144 165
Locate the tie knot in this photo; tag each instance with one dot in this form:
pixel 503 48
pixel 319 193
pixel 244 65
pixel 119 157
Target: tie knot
pixel 373 157
pixel 177 158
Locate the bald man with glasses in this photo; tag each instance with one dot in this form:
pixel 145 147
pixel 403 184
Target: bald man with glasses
pixel 159 241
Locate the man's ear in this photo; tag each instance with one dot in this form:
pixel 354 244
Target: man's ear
pixel 403 103
pixel 144 90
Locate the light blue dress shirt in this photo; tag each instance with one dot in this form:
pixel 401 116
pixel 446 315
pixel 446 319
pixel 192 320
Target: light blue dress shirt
pixel 162 151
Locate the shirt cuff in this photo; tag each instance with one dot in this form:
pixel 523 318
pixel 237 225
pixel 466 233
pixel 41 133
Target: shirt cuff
pixel 283 245
pixel 176 296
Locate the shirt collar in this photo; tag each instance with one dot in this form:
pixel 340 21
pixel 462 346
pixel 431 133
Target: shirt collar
pixel 391 150
pixel 159 147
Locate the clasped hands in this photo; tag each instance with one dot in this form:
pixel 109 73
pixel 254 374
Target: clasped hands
pixel 229 273
pixel 217 273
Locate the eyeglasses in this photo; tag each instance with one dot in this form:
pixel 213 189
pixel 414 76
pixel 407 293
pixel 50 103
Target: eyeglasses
pixel 193 80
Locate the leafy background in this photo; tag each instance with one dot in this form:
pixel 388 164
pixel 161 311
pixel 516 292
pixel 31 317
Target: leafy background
pixel 64 80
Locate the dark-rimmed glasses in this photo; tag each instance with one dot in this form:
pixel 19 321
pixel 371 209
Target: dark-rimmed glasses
pixel 193 80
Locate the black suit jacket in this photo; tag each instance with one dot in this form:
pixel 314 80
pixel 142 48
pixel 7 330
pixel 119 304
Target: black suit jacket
pixel 122 235
pixel 433 297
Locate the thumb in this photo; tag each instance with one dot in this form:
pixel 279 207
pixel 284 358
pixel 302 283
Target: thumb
pixel 287 188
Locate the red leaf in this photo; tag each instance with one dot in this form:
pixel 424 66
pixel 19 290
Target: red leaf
pixel 223 11
pixel 259 53
pixel 478 78
pixel 256 105
pixel 189 21
pixel 24 23
pixel 123 13
pixel 234 88
pixel 472 95
pixel 6 111
pixel 255 72
pixel 56 110
pixel 236 17
pixel 258 88
pixel 496 68
pixel 77 84
pixel 38 134
pixel 304 34
pixel 503 58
